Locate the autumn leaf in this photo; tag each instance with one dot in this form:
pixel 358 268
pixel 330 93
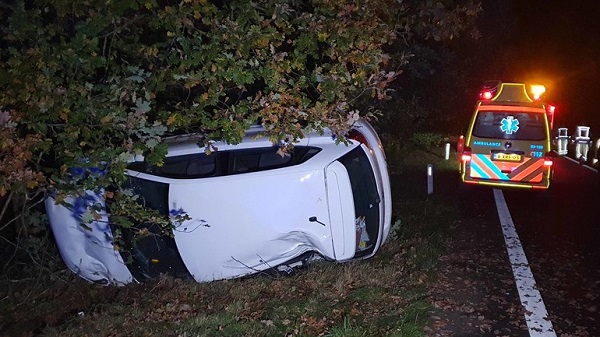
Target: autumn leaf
pixel 172 119
pixel 64 114
pixel 106 119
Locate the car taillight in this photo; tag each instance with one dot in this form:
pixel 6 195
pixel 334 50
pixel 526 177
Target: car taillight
pixel 466 155
pixel 548 159
pixel 359 137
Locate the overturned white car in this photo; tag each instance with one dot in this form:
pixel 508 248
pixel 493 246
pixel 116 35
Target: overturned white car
pixel 251 210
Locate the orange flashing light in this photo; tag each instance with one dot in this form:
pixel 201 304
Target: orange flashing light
pixel 537 90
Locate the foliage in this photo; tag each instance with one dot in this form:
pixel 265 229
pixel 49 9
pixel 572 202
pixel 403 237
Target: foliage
pixel 426 140
pixel 90 84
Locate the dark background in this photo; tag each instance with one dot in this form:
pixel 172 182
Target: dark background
pixel 556 43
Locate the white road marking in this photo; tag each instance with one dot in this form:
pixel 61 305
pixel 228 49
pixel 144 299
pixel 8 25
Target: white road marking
pixel 536 314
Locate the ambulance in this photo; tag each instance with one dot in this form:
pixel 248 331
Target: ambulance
pixel 508 142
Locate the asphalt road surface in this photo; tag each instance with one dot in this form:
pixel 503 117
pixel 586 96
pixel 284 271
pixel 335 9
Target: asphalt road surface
pixel 560 233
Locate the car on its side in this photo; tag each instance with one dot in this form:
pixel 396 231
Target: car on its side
pixel 250 209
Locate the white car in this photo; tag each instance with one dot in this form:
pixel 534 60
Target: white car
pixel 251 210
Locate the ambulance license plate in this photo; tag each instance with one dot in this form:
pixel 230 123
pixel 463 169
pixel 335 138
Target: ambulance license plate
pixel 507 157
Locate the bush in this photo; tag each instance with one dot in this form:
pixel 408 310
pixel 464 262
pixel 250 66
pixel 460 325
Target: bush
pixel 426 141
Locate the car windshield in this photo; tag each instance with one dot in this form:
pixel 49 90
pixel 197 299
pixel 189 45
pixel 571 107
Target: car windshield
pixel 510 125
pixel 366 200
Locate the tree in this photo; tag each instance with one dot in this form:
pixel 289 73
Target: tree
pixel 92 83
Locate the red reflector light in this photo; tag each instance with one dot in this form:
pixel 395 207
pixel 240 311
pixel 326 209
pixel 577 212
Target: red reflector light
pixel 460 144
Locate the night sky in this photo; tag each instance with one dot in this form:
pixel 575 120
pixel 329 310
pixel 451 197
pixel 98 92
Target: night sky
pixel 554 42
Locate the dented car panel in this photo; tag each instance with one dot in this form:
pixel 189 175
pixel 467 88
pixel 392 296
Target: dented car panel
pixel 252 229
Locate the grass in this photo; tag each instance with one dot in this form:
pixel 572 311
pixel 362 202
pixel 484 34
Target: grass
pixel 384 296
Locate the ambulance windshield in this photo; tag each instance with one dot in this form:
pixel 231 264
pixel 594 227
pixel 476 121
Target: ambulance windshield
pixel 510 125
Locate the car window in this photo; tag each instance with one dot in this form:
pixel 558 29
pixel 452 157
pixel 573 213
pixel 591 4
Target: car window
pixel 221 163
pixel 258 159
pixel 510 125
pixel 366 199
pixel 191 165
pixel 156 253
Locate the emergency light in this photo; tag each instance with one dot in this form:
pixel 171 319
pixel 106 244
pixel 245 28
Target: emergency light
pixel 489 90
pixel 537 90
pixel 486 95
pixel 513 92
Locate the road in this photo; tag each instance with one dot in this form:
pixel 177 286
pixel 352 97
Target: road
pixel 560 234
pixel 559 231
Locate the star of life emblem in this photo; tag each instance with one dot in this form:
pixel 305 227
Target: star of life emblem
pixel 509 125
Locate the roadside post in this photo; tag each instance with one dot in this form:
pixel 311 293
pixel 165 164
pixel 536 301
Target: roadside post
pixel 596 153
pixel 429 179
pixel 582 143
pixel 447 156
pixel 562 141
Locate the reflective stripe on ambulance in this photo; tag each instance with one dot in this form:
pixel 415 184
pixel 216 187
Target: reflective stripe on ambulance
pixel 530 170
